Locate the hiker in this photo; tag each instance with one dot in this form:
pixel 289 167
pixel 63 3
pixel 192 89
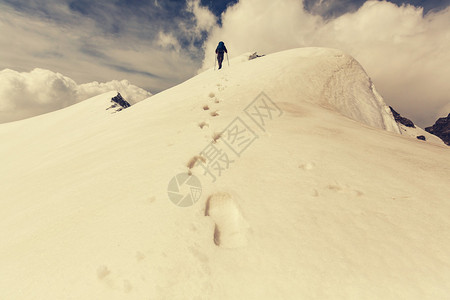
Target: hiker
pixel 219 51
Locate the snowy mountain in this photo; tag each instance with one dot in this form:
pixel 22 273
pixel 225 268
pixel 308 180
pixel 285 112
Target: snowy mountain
pixel 280 177
pixel 28 94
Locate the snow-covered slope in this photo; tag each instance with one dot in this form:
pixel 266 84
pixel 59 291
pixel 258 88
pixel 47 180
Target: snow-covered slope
pixel 327 77
pixel 314 199
pixel 417 131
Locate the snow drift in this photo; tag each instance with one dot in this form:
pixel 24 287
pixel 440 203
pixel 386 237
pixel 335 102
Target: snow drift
pixel 321 198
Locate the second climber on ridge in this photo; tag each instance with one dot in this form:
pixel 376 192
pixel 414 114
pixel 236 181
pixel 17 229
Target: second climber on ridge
pixel 219 51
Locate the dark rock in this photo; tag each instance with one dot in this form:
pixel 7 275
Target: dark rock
pixel 421 137
pixel 119 100
pixel 402 120
pixel 441 129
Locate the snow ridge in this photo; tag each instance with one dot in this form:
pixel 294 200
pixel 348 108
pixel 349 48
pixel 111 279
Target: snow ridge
pixel 351 92
pixel 328 77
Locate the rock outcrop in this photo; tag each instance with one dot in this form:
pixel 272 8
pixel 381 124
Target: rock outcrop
pixel 119 100
pixel 118 103
pixel 402 120
pixel 441 129
pixel 421 137
pixel 254 55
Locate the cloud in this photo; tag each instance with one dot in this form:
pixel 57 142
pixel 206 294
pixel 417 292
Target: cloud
pixel 405 51
pixel 204 18
pixel 27 94
pixel 157 44
pixel 331 8
pixel 168 41
pixel 154 44
pixel 444 111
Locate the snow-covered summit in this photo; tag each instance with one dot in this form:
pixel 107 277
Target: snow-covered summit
pixel 327 77
pixel 302 192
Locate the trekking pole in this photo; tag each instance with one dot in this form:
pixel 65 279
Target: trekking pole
pixel 228 60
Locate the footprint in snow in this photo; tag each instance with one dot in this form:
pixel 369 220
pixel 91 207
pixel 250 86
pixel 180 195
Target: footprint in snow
pixel 193 161
pixel 340 188
pixel 102 272
pixel 104 275
pixel 307 166
pixel 216 136
pixel 231 228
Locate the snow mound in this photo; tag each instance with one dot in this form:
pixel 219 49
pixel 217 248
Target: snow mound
pixel 351 92
pixel 327 77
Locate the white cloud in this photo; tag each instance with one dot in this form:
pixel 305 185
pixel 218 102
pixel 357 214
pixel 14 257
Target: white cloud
pixel 27 94
pixel 204 18
pixel 444 111
pixel 168 41
pixel 79 47
pixel 405 52
pixel 261 25
pixel 329 8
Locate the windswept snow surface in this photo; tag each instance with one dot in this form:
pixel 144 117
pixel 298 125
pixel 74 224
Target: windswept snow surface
pixel 327 202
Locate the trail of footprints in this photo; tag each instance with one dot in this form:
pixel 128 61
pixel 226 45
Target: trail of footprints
pixel 212 97
pixel 207 107
pixel 230 229
pixel 213 113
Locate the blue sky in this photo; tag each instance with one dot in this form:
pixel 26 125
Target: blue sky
pixel 158 43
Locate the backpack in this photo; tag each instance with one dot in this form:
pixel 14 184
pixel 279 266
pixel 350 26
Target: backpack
pixel 221 47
